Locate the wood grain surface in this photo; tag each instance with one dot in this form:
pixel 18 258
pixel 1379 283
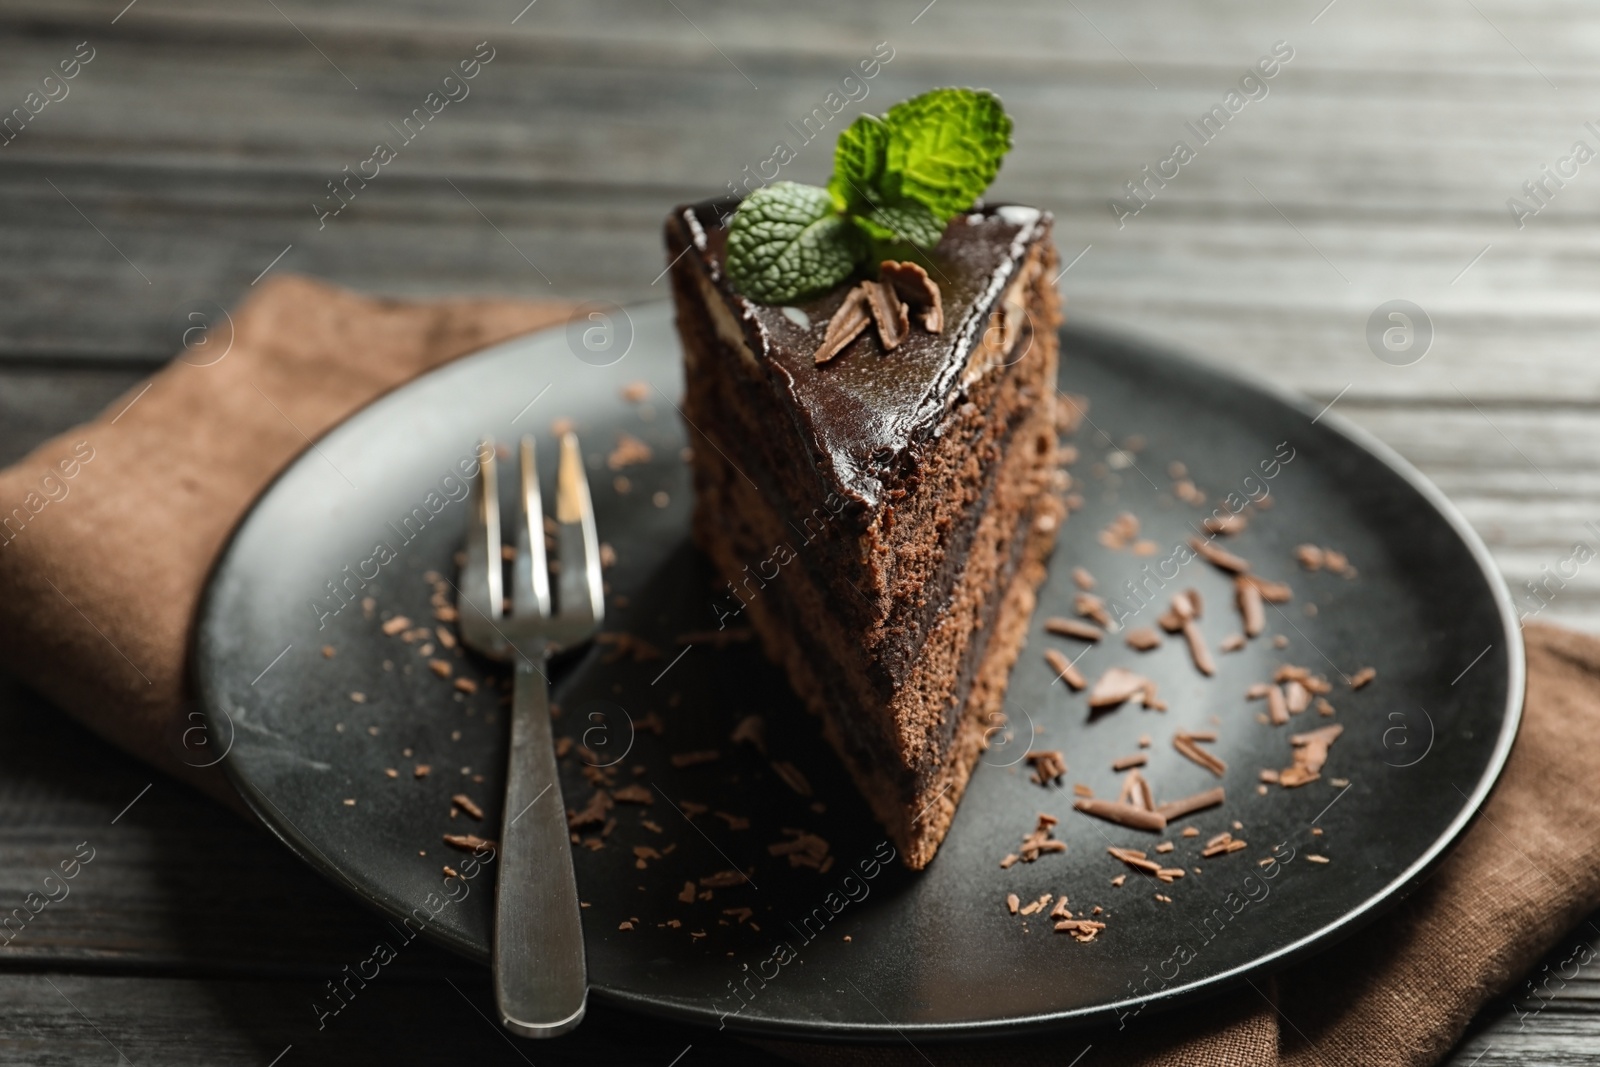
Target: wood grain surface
pixel 190 154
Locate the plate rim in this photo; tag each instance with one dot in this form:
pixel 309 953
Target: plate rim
pixel 1112 336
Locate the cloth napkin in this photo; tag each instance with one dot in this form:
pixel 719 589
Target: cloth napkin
pixel 124 516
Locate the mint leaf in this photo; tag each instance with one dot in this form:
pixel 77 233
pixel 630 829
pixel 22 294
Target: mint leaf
pixel 906 221
pixel 787 241
pixel 858 160
pixel 944 148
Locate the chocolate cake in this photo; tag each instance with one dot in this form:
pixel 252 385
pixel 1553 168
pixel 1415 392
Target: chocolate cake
pixel 882 518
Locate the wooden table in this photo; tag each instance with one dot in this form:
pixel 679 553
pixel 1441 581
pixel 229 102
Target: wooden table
pixel 191 150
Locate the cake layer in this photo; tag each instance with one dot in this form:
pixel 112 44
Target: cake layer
pixel 910 755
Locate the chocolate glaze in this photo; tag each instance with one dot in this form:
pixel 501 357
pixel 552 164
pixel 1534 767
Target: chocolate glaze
pixel 867 413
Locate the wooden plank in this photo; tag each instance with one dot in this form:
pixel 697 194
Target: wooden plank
pixel 587 135
pixel 38 402
pixel 56 1020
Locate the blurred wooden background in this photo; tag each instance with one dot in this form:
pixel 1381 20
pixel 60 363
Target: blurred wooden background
pixel 188 153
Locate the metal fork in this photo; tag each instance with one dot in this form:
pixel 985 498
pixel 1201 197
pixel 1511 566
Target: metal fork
pixel 540 979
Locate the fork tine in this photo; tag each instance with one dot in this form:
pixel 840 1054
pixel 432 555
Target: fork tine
pixel 581 596
pixel 480 578
pixel 530 576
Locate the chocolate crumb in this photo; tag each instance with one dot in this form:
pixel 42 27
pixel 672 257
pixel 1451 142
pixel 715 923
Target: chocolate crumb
pixel 629 451
pixel 1123 763
pixel 1048 766
pixel 1362 677
pixel 1082 578
pixel 691 759
pixel 468 805
pixel 1143 639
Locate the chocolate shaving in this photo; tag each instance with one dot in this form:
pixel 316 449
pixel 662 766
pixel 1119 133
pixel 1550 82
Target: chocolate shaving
pixel 633 793
pixel 893 322
pixel 1135 859
pixel 912 284
pixel 1048 766
pixel 1222 844
pixel 1124 763
pixel 1123 814
pixel 1119 684
pixel 1310 753
pixel 1271 592
pixel 1224 524
pixel 467 842
pixel 1219 557
pixel 1092 607
pixel 1037 843
pixel 1073 628
pixel 845 326
pixel 1136 791
pixel 1173 810
pixel 1362 677
pixel 1064 669
pixel 724 879
pixel 1083 930
pixel 1277 706
pixel 1197 648
pixel 466 804
pixel 1251 608
pixel 1187 744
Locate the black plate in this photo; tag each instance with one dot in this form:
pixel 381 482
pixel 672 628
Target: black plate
pixel 934 954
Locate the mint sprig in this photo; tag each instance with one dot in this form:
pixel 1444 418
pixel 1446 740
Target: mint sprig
pixel 897 180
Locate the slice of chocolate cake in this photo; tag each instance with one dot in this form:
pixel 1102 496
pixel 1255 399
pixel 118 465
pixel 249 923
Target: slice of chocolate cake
pixel 874 438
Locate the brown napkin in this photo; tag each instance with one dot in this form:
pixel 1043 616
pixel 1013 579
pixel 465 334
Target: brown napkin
pixel 101 584
pixel 102 580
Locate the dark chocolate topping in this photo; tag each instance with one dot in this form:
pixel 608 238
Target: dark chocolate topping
pixel 867 413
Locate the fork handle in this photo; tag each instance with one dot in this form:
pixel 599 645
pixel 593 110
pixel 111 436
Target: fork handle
pixel 540 978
